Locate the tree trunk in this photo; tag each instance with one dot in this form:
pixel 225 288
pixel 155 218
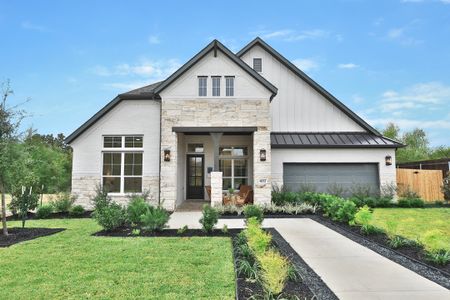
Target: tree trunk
pixel 5 228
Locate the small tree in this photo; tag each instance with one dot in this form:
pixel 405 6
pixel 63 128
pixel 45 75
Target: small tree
pixel 10 118
pixel 26 201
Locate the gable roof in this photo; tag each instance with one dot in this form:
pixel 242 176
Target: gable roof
pixel 214 46
pixel 258 41
pixel 143 93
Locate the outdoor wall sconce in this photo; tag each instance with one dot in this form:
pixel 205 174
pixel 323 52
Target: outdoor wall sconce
pixel 388 160
pixel 262 155
pixel 167 155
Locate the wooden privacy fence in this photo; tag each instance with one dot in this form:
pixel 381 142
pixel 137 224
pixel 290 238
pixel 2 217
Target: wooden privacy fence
pixel 426 183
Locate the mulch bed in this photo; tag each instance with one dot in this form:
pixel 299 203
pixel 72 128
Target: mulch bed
pixel 309 286
pixel 17 235
pixel 57 215
pixel 411 257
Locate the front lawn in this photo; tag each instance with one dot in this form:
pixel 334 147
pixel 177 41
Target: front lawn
pixel 430 226
pixel 73 264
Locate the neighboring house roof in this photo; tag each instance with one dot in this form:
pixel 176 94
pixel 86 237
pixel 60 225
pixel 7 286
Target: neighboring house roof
pixel 143 93
pixel 330 139
pixel 214 46
pixel 311 82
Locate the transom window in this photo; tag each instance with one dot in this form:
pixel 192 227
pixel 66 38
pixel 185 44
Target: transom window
pixel 202 86
pixel 257 64
pixel 122 141
pixel 122 168
pixel 233 163
pixel 216 86
pixel 229 86
pixel 195 148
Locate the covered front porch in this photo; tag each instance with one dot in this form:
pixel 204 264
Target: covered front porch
pixel 214 164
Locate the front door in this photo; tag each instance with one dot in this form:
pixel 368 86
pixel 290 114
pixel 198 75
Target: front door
pixel 195 176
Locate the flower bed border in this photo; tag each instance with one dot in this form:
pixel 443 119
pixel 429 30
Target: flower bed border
pixel 268 216
pixel 18 235
pixel 310 279
pixel 428 271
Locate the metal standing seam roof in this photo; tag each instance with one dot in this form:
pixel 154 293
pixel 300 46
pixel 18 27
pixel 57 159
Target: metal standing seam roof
pixel 331 139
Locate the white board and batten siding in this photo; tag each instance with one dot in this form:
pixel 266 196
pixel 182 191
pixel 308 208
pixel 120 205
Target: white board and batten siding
pixel 298 107
pixel 129 117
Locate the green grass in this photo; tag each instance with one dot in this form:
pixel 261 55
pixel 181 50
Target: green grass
pixel 430 226
pixel 75 265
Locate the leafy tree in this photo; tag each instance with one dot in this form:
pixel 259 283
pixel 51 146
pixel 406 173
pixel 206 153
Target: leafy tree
pixel 392 131
pixel 10 118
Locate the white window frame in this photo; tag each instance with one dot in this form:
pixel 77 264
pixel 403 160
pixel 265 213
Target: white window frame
pixel 229 89
pixel 215 89
pixel 233 158
pixel 122 150
pixel 260 59
pixel 202 79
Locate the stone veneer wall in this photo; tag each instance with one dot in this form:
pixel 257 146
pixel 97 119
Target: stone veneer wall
pixel 84 187
pixel 215 113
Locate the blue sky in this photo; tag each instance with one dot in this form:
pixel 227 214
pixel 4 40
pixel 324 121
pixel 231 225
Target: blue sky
pixel 386 60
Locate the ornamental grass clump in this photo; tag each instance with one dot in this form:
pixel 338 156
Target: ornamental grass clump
pixel 274 271
pixel 154 219
pixel 257 239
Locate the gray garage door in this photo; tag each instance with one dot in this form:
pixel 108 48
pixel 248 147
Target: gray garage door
pixel 321 176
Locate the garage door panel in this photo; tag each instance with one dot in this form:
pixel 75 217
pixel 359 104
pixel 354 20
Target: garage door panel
pixel 323 175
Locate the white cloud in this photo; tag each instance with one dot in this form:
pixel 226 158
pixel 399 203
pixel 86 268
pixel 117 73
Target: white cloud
pixel 154 40
pixel 348 66
pixel 146 68
pixel 403 36
pixel 27 25
pixel 395 33
pixel 291 35
pixel 407 124
pixel 306 64
pixel 358 99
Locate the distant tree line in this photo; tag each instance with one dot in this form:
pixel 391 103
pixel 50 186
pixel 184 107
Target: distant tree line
pixel 417 145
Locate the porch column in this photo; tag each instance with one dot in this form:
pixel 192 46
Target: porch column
pixel 216 136
pixel 216 175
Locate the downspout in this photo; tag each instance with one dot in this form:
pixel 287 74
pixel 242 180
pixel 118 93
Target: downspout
pixel 160 154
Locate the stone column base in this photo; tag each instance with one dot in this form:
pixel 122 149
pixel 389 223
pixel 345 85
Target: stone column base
pixel 216 188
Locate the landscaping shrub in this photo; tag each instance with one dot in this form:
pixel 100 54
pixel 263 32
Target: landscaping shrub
pixel 209 219
pixel 346 211
pixel 63 202
pixel 286 197
pixel 411 203
pixel 253 211
pixel 332 206
pixel 446 187
pixel 101 198
pixel 257 239
pixel 337 190
pixel 76 211
pixel 183 229
pixel 439 257
pixel 110 216
pixel 44 211
pixel 136 208
pixel 274 271
pixel 361 191
pixel 307 188
pixel 154 219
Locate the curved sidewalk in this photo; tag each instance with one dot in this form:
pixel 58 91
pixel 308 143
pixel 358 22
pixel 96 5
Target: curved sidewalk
pixel 350 270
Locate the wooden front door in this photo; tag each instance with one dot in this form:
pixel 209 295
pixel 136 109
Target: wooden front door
pixel 195 176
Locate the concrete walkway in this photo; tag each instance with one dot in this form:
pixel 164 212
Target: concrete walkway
pixel 350 270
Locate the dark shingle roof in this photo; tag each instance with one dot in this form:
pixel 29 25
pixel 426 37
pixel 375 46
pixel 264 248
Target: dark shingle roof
pixel 145 91
pixel 331 139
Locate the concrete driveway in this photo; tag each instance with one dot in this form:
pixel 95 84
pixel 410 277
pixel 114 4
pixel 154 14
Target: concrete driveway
pixel 350 270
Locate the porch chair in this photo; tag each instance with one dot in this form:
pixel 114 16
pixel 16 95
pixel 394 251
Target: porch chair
pixel 246 193
pixel 208 191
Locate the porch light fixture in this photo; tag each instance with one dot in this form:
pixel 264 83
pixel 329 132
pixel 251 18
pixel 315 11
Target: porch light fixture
pixel 262 155
pixel 167 155
pixel 388 160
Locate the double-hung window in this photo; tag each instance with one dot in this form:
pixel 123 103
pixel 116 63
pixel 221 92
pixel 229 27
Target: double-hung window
pixel 257 64
pixel 216 86
pixel 233 163
pixel 202 86
pixel 122 164
pixel 229 86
